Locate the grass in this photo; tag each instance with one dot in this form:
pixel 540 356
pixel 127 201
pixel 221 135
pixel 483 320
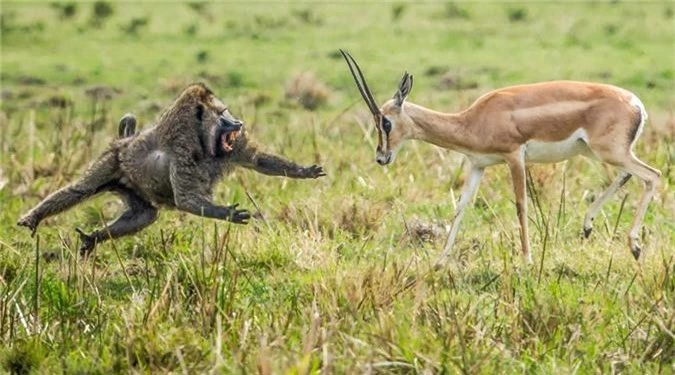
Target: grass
pixel 336 278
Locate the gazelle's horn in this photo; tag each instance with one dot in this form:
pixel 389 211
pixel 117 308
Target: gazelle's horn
pixel 361 83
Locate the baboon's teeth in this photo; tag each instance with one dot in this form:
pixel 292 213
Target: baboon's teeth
pixel 228 140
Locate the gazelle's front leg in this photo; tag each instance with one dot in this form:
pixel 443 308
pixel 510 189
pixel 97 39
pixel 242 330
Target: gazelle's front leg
pixel 468 191
pixel 516 163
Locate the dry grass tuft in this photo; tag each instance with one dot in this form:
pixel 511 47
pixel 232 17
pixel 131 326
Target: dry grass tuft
pixel 357 217
pixel 102 92
pixel 421 232
pixel 452 81
pixel 307 90
pixel 360 218
pixel 173 85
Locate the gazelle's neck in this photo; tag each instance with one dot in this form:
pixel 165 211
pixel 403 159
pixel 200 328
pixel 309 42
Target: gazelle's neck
pixel 442 129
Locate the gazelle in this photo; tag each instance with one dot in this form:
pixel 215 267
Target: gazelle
pixel 541 123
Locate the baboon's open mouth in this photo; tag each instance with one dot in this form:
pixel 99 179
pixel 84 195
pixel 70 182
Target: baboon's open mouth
pixel 228 139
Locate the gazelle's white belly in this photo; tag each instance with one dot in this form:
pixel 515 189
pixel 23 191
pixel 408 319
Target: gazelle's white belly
pixel 539 151
pixel 551 152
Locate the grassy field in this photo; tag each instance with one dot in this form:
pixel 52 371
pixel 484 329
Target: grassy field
pixel 336 278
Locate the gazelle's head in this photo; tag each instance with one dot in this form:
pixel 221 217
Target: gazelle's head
pixel 391 121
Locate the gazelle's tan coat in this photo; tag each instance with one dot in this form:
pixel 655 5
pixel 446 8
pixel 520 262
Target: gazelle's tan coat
pixel 541 122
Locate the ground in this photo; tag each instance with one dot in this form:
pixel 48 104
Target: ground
pixel 337 276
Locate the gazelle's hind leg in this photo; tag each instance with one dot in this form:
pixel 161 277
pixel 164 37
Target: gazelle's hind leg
pixel 650 176
pixel 592 212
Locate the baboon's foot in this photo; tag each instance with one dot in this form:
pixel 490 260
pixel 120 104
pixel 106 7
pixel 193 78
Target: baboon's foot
pixel 30 222
pixel 88 242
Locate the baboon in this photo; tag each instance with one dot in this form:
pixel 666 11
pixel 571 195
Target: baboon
pixel 174 164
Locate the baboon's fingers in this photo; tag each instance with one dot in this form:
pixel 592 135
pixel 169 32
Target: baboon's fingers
pixel 241 217
pixel 314 171
pixel 238 216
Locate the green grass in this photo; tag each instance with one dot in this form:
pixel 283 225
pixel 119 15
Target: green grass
pixel 336 278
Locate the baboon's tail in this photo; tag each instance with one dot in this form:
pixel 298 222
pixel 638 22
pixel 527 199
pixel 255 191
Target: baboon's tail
pixel 127 127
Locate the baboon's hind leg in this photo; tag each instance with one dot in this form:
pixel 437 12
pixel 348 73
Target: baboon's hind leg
pixel 98 178
pixel 139 214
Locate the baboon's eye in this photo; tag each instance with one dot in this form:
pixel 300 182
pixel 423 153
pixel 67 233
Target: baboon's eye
pixel 200 112
pixel 386 125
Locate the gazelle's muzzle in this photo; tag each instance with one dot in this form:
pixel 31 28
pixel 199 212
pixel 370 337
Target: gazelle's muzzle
pixel 384 158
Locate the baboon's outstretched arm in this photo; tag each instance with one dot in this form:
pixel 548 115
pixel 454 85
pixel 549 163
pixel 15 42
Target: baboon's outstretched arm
pixel 101 176
pixel 278 166
pixel 191 194
pixel 274 165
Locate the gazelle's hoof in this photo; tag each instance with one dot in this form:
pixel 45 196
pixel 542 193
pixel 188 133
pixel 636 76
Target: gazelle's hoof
pixel 528 260
pixel 636 251
pixel 634 247
pixel 587 232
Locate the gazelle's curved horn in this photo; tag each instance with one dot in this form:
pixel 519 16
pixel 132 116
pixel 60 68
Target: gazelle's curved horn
pixel 361 83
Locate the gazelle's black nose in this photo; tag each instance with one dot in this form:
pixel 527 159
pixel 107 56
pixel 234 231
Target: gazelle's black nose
pixel 383 159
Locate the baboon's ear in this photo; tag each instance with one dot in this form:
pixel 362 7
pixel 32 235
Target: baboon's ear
pixel 200 112
pixel 404 88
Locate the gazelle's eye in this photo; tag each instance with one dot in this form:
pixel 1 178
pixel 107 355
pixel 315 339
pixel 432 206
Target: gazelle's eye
pixel 386 125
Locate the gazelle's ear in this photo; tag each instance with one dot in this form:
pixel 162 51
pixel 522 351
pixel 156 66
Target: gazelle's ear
pixel 404 88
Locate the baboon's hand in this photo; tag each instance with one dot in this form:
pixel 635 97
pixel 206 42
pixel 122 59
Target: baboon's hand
pixel 28 222
pixel 314 171
pixel 236 215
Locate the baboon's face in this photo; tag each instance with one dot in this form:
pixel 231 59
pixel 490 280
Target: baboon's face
pixel 219 123
pixel 226 130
